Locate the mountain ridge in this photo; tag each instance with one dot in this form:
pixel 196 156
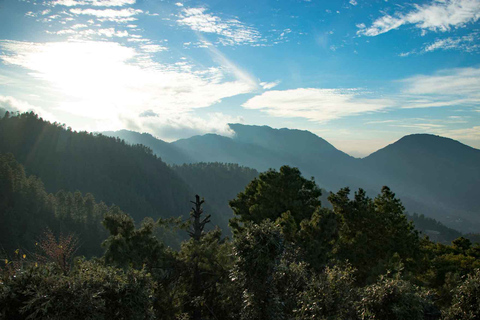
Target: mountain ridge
pixel 428 172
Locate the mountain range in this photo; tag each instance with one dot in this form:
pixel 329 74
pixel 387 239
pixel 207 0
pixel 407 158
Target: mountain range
pixel 432 175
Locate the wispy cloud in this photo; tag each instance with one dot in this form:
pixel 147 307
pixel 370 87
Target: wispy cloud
pixel 472 133
pixel 230 31
pixel 439 15
pixel 447 88
pixel 105 80
pixel 108 72
pixel 153 48
pixel 91 33
pixel 122 15
pixel 467 43
pixel 269 85
pixel 461 81
pixel 182 125
pixel 315 104
pixel 12 104
pixel 95 3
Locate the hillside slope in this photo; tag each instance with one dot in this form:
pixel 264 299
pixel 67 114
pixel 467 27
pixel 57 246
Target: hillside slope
pixel 431 170
pixel 166 151
pixel 129 176
pixel 435 176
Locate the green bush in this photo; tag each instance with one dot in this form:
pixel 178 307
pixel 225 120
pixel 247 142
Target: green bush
pixel 392 299
pixel 466 299
pixel 89 291
pixel 330 295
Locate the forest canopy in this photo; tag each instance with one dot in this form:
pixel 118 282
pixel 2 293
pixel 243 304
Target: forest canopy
pixel 67 255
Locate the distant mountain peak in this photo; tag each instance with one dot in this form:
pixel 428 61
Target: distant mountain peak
pixel 427 143
pixel 294 140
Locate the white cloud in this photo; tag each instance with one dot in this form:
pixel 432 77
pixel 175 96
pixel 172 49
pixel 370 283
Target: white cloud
pixel 14 105
pixel 315 104
pixel 353 2
pixel 439 15
pixel 461 81
pixel 153 48
pixel 120 16
pixel 231 31
pixel 79 26
pixel 182 126
pixel 453 87
pixel 179 4
pixel 472 133
pixel 95 3
pixel 89 33
pixel 468 43
pixel 269 85
pixel 105 80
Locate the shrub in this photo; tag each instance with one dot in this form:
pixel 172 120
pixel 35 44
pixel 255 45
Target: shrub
pixel 466 299
pixel 392 299
pixel 330 295
pixel 89 291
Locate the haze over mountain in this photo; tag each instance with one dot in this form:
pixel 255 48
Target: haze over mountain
pixel 130 177
pixel 432 175
pixel 169 153
pixel 441 174
pixel 116 173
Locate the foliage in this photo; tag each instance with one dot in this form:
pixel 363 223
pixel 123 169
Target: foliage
pixel 466 303
pixel 273 193
pixel 26 211
pixel 445 265
pixel 373 232
pixel 290 258
pixel 329 295
pixel 317 237
pixel 258 250
pixel 90 291
pixel 130 247
pixel 213 292
pixel 59 252
pixel 116 173
pixel 392 299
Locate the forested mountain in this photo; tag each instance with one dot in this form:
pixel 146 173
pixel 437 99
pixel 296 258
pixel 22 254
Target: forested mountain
pixel 27 211
pixel 290 256
pixel 116 173
pixel 263 148
pixel 215 148
pixel 129 176
pixel 166 151
pixel 434 176
pixel 435 230
pixel 440 174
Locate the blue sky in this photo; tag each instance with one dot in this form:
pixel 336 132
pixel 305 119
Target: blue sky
pixel 360 74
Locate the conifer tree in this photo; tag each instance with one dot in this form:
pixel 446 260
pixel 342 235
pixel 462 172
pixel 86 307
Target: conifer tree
pixel 196 232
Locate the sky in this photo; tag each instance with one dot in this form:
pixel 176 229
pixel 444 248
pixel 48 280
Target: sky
pixel 360 74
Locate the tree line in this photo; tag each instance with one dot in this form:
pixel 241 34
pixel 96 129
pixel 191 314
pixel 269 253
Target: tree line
pixel 290 257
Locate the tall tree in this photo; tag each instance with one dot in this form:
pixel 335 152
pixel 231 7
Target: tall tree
pixel 198 224
pixel 274 193
pixel 375 234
